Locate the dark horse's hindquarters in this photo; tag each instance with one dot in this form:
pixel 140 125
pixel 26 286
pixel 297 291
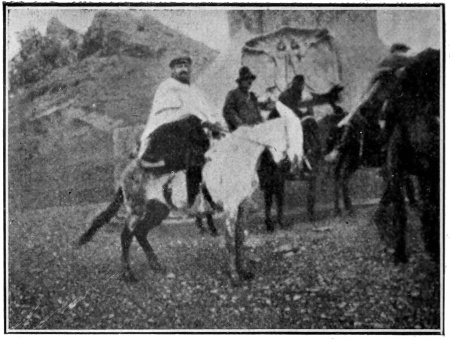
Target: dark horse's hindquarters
pixel 272 177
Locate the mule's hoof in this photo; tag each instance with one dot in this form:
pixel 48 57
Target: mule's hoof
pixel 214 233
pixel 400 259
pixel 129 278
pixel 270 227
pixel 158 268
pixel 83 240
pixel 247 275
pixel 351 213
pixel 282 226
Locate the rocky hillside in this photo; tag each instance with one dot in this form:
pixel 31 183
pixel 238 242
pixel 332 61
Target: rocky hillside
pixel 60 147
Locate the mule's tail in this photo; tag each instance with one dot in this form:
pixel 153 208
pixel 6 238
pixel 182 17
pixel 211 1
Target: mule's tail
pixel 102 218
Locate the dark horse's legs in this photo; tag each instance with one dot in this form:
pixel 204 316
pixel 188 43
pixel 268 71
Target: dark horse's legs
pixel 275 189
pixel 395 186
pixel 311 195
pixel 268 199
pixel 410 191
pixel 429 190
pixel 345 168
pixel 279 197
pixel 210 222
pixel 271 179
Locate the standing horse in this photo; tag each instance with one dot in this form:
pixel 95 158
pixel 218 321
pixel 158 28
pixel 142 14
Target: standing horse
pixel 229 175
pixel 273 177
pixel 413 120
pixel 358 140
pixel 349 141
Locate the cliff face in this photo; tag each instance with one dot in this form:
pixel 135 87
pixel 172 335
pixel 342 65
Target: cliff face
pixel 355 35
pixel 60 129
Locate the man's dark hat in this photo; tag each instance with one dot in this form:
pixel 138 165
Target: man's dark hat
pixel 245 73
pixel 181 58
pixel 398 47
pixel 299 78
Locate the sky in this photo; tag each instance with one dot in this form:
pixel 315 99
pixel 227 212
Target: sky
pixel 418 28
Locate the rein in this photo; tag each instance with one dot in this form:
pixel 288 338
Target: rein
pixel 307 117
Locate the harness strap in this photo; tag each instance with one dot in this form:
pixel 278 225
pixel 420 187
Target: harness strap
pixel 307 117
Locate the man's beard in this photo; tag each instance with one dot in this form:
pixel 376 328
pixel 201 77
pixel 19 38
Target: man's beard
pixel 183 78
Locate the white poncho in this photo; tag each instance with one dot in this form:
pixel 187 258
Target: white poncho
pixel 174 101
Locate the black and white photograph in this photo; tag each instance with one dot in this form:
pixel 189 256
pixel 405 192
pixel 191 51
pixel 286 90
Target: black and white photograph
pixel 224 168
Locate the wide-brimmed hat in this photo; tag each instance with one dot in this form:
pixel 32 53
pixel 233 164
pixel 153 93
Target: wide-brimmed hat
pixel 181 58
pixel 399 47
pixel 245 73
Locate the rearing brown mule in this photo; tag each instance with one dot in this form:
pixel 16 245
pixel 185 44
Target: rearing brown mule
pixel 229 175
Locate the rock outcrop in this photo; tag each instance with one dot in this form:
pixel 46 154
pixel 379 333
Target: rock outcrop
pixel 60 142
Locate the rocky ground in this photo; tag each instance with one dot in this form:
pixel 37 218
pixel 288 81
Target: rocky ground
pixel 331 275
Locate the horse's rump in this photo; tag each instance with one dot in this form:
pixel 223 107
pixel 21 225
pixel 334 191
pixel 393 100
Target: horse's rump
pixel 142 185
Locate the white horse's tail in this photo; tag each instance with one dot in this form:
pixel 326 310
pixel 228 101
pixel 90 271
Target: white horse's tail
pixel 104 217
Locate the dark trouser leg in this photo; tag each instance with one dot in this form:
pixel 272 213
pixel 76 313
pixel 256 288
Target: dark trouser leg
pixel 429 189
pixel 193 179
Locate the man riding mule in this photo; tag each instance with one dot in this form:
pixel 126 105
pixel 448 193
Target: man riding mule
pixel 144 193
pixel 174 138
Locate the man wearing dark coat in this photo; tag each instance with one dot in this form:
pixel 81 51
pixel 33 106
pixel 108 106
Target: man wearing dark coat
pixel 241 105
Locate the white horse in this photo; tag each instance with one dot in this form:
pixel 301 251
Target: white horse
pixel 230 176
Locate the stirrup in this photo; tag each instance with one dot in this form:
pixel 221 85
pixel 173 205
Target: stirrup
pixel 151 165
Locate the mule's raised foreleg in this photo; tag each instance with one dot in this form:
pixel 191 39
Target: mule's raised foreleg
pixel 234 240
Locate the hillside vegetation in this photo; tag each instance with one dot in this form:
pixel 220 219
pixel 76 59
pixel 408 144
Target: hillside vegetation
pixel 60 126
